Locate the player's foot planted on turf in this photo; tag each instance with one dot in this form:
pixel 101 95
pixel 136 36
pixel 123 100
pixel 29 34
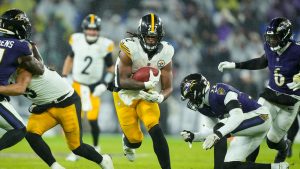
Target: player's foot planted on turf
pixel 72 157
pixel 106 162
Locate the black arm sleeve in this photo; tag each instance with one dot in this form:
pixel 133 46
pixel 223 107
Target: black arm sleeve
pixel 108 60
pixel 253 64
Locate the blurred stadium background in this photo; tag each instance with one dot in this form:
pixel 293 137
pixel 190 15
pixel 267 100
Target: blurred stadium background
pixel 203 33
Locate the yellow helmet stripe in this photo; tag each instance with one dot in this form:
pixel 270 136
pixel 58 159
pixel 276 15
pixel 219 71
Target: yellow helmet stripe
pixel 152 22
pixel 92 19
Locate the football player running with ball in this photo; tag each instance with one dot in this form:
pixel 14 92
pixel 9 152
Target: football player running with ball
pixel 91 55
pixel 282 95
pixel 135 100
pixel 235 114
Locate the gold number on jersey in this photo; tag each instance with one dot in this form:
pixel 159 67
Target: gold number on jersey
pixel 278 78
pixel 1 53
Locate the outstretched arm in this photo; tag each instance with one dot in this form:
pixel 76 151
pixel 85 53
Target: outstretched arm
pixel 253 64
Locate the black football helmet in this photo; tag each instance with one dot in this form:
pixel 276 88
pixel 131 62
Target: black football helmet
pixel 150 25
pixel 91 22
pixel 278 33
pixel 15 22
pixel 194 87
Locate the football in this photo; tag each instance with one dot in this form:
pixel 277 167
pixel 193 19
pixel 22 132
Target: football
pixel 143 74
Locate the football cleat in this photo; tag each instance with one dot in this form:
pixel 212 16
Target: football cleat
pixel 106 162
pixel 56 165
pixel 128 152
pixel 281 155
pixel 72 157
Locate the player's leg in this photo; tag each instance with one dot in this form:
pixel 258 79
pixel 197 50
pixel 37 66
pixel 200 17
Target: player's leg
pixel 70 120
pixel 149 113
pixel 37 125
pixel 220 149
pixel 92 117
pixel 12 122
pixel 292 134
pixel 280 126
pixel 240 147
pixel 130 126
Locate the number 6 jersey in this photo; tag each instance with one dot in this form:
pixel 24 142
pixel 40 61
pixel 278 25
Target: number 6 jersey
pixel 88 62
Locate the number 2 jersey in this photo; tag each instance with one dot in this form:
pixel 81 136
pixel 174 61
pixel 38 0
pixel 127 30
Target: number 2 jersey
pixel 89 59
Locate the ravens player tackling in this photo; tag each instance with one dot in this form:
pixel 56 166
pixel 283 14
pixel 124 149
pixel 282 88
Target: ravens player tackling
pixel 15 51
pixel 234 113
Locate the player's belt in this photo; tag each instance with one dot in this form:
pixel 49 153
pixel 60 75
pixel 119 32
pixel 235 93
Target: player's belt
pixel 62 98
pixel 61 102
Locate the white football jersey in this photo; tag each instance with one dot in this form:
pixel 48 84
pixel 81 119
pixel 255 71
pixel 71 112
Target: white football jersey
pixel 133 48
pixel 139 58
pixel 46 88
pixel 88 61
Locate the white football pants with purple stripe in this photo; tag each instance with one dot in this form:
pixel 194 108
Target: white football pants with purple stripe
pixel 249 134
pixel 9 118
pixel 282 119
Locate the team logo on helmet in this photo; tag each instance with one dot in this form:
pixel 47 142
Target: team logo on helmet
pixel 188 87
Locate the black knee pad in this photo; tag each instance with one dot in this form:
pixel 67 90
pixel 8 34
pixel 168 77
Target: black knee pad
pixel 131 145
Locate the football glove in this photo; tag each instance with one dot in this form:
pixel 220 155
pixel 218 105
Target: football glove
pixel 99 90
pixel 210 141
pixel 188 136
pixel 295 85
pixel 151 96
pixel 153 80
pixel 226 65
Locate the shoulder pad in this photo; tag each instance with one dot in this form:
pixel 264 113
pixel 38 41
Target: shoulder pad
pixel 108 44
pixel 75 37
pixel 128 45
pixel 168 49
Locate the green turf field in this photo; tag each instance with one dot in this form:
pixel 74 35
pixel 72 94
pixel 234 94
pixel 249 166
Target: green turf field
pixel 22 157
